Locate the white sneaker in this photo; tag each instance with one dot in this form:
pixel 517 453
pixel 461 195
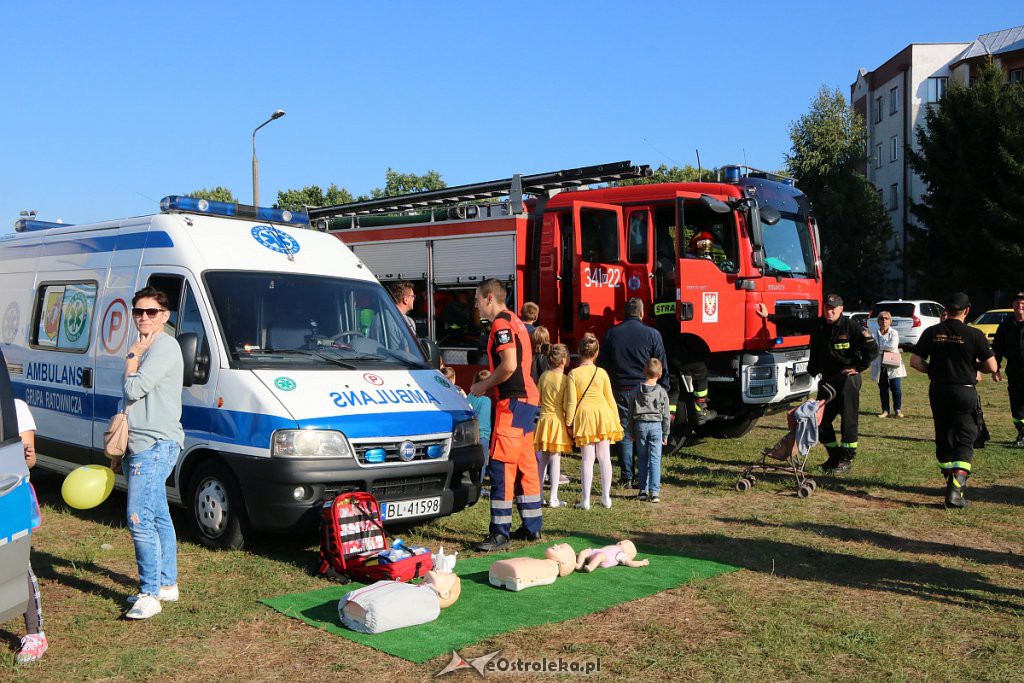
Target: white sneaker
pixel 146 606
pixel 167 594
pixel 606 502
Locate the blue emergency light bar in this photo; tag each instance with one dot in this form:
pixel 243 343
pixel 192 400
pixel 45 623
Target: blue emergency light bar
pixel 233 210
pixel 29 225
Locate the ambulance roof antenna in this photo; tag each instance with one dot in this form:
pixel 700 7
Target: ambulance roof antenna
pixel 700 173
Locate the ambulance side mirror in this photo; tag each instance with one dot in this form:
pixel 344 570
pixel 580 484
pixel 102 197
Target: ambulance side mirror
pixel 431 351
pixel 189 343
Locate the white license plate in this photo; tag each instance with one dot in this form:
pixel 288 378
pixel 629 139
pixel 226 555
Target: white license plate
pixel 800 368
pixel 402 509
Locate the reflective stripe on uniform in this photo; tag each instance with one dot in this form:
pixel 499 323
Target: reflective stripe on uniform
pixel 1017 422
pixel 956 465
pixel 847 444
pixel 841 346
pixel 831 444
pixel 700 394
pixel 533 498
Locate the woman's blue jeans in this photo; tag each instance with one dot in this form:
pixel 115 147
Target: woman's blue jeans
pixel 884 386
pixel 149 519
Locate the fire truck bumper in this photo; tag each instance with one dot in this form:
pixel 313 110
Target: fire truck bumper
pixel 772 377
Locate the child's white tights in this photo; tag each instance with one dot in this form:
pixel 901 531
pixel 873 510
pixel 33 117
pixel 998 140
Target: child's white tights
pixel 555 460
pixel 602 451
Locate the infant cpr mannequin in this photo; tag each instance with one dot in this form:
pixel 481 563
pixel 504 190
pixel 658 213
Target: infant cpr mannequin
pixel 622 552
pixel 518 573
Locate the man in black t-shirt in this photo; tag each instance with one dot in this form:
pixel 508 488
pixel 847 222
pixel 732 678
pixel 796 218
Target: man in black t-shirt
pixel 1009 344
pixel 952 354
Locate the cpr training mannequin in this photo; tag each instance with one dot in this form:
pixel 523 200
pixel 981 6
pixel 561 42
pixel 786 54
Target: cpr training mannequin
pixel 622 552
pixel 387 605
pixel 518 573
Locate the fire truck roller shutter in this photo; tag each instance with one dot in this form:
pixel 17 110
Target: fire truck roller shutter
pixel 456 260
pixel 394 260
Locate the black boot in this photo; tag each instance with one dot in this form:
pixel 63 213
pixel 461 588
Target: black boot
pixel 833 459
pixel 845 463
pixel 1019 443
pixel 956 482
pixel 705 413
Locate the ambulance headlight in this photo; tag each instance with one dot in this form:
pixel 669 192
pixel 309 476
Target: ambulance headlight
pixel 309 443
pixel 466 434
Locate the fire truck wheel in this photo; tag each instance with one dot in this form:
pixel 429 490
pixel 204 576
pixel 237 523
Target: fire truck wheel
pixel 733 428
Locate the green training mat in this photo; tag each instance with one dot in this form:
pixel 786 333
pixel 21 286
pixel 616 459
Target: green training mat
pixel 484 611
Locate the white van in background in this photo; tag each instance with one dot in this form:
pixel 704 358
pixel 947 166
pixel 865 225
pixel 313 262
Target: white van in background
pixel 301 378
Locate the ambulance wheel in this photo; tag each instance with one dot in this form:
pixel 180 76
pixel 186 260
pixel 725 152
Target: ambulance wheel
pixel 216 511
pixel 742 485
pixel 804 491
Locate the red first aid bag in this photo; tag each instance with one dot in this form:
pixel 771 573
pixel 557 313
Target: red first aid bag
pixel 352 538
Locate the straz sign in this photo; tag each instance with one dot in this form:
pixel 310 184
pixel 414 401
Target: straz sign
pixel 709 307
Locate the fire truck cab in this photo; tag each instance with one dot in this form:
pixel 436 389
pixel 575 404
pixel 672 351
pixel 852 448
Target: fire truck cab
pixel 700 255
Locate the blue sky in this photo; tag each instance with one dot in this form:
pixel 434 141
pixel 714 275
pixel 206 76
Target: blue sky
pixel 110 106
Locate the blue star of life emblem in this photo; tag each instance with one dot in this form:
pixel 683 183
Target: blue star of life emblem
pixel 275 240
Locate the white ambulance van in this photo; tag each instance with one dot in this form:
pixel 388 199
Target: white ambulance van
pixel 302 379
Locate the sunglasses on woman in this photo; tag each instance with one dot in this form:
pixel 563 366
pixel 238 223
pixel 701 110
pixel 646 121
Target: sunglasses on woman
pixel 148 312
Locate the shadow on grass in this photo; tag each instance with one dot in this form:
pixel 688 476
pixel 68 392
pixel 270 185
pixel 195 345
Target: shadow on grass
pixel 75 575
pixel 923 580
pixel 892 542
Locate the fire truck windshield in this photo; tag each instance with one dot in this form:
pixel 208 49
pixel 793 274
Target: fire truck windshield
pixel 282 318
pixel 788 251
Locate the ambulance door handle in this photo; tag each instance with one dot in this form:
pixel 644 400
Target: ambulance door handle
pixel 87 378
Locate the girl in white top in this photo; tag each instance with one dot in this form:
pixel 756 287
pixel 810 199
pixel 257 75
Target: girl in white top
pixel 889 377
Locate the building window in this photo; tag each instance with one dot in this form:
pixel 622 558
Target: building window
pixel 937 88
pixel 1016 75
pixel 894 196
pixel 881 196
pixel 893 149
pixel 878 110
pixel 894 99
pixel 878 155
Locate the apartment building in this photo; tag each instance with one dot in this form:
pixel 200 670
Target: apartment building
pixel 894 99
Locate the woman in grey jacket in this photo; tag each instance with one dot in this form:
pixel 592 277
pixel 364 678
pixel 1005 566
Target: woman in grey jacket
pixel 152 394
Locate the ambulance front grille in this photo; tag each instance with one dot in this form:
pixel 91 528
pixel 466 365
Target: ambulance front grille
pixel 391 451
pixel 403 487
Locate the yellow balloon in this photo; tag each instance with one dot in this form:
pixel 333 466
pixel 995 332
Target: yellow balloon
pixel 87 486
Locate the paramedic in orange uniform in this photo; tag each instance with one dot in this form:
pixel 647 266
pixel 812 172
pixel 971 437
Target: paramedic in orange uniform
pixel 513 464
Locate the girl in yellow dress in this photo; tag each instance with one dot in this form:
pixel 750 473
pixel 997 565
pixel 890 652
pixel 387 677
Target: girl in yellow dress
pixel 551 438
pixel 591 414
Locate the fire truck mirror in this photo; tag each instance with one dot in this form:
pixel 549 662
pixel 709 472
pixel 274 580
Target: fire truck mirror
pixel 685 310
pixel 715 205
pixel 584 311
pixel 770 216
pixel 757 258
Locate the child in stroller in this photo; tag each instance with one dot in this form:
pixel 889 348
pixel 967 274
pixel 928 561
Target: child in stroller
pixel 789 454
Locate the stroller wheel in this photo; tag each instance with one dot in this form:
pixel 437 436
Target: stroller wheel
pixel 813 484
pixel 804 491
pixel 752 479
pixel 742 485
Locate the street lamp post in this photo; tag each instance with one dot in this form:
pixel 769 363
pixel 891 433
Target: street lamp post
pixel 255 165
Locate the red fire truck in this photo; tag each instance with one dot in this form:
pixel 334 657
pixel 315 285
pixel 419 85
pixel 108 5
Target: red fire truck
pixel 700 255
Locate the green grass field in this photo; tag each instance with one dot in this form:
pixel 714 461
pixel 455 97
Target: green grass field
pixel 868 579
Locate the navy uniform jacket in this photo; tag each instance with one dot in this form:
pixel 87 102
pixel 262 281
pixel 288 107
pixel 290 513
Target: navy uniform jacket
pixel 1008 343
pixel 626 349
pixel 834 348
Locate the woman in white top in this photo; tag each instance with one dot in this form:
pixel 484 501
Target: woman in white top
pixel 889 377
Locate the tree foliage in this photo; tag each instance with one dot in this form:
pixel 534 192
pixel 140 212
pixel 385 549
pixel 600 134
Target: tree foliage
pixel 214 194
pixel 827 147
pixel 673 174
pixel 972 159
pixel 396 183
pixel 312 195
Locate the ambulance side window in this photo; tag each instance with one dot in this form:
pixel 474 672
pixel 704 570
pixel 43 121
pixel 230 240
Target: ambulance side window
pixel 171 286
pixel 62 320
pixel 184 309
pixel 192 321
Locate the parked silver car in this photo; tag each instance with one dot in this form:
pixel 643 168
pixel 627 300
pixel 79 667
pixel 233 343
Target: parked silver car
pixel 910 317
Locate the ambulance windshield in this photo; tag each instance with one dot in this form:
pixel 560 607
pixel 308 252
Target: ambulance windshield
pixel 787 248
pixel 282 318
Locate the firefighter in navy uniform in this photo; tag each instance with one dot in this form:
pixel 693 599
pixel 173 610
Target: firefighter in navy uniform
pixel 1009 344
pixel 951 353
pixel 513 464
pixel 841 349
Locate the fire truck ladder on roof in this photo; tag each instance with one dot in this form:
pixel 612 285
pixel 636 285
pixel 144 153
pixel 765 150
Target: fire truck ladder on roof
pixel 540 184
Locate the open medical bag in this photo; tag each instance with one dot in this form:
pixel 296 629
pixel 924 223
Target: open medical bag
pixel 353 545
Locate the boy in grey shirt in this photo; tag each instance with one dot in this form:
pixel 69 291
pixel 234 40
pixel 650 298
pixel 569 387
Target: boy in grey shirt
pixel 651 421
